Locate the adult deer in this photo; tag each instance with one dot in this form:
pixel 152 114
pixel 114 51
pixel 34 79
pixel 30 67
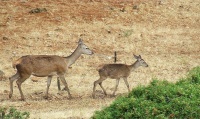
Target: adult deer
pixel 45 66
pixel 117 71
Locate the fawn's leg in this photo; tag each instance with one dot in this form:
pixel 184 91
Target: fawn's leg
pixel 99 81
pixel 126 82
pixel 117 83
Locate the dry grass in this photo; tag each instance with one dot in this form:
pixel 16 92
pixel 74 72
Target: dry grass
pixel 165 33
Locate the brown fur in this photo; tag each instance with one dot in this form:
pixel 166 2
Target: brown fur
pixel 15 62
pixel 114 71
pixel 117 71
pixel 41 65
pixel 45 65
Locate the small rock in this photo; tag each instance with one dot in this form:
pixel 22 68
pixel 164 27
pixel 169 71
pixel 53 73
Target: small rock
pixel 6 91
pixel 38 10
pixel 5 38
pixel 135 7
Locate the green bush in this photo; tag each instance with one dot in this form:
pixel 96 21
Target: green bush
pixel 159 100
pixel 13 113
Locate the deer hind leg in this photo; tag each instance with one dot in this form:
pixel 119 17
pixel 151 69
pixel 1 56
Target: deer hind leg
pixel 65 84
pixel 99 81
pixel 12 79
pixel 126 82
pixel 22 78
pixel 117 83
pixel 48 85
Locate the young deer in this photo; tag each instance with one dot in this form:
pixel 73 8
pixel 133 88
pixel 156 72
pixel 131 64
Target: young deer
pixel 45 65
pixel 117 71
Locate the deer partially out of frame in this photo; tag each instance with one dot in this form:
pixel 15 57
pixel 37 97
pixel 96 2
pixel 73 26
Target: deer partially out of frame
pixel 117 71
pixel 45 66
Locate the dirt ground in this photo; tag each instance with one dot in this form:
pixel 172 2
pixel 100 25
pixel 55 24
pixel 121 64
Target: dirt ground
pixel 164 32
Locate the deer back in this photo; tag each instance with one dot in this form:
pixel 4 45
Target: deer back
pixel 41 65
pixel 114 71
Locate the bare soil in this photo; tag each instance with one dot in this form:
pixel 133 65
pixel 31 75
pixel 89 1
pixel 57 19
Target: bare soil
pixel 164 32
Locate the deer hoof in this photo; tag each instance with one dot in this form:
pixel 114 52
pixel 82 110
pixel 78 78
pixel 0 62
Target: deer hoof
pixel 10 95
pixel 45 97
pixel 22 99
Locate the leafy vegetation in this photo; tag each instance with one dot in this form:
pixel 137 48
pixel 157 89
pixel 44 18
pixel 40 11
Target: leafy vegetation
pixel 13 113
pixel 160 100
pixel 128 33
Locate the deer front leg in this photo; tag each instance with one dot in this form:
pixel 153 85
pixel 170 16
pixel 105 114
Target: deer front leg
pixel 117 83
pixel 48 85
pixel 126 82
pixel 65 84
pixel 58 83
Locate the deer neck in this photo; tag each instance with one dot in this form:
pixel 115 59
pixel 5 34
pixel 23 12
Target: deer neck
pixel 73 57
pixel 134 66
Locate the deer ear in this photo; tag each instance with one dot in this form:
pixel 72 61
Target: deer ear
pixel 135 56
pixel 80 41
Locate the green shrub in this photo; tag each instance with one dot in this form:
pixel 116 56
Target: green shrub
pixel 159 100
pixel 13 113
pixel 127 33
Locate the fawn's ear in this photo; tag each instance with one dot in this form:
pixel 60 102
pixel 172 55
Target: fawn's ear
pixel 80 41
pixel 135 56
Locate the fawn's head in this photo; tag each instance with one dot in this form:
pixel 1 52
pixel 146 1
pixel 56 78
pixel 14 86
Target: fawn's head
pixel 83 48
pixel 140 61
